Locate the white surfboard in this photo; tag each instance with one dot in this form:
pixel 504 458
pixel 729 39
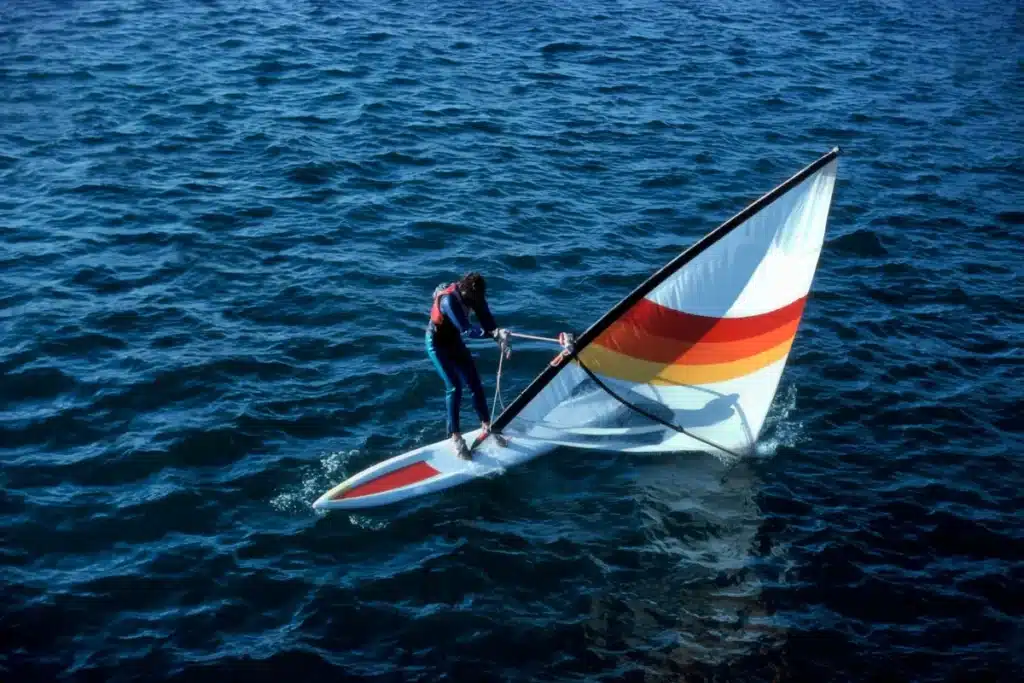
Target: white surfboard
pixel 427 469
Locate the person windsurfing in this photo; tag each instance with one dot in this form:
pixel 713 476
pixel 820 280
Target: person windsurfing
pixel 449 323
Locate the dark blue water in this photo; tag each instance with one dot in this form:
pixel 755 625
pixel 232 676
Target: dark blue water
pixel 220 224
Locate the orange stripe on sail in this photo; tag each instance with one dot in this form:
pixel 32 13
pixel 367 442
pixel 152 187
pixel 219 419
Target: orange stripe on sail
pixel 619 366
pixel 647 318
pixel 642 346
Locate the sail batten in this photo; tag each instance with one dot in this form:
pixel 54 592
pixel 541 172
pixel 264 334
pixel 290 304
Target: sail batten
pixel 699 347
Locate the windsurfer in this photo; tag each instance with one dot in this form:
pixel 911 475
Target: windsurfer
pixel 449 323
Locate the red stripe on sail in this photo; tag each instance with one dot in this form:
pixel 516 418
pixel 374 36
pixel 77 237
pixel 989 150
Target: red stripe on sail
pixel 653 349
pixel 649 318
pixel 396 479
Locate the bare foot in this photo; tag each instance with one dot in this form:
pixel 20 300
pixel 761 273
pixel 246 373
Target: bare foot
pixel 459 444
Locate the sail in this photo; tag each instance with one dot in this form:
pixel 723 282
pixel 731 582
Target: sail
pixel 692 358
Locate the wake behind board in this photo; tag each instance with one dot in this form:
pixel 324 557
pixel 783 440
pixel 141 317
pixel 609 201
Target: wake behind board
pixel 426 470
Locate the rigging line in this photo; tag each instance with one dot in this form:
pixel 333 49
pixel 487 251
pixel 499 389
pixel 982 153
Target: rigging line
pixel 497 387
pixel 534 337
pixel 643 412
pixel 501 359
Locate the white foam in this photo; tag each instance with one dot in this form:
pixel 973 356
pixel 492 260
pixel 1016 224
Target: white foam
pixel 367 523
pixel 313 483
pixel 783 432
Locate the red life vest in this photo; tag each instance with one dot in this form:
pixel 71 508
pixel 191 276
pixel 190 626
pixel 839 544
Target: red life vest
pixel 436 316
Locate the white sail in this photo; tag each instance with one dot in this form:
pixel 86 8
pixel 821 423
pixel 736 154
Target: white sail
pixel 692 358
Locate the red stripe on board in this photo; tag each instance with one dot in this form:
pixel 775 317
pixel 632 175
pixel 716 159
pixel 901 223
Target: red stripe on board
pixel 396 479
pixel 647 317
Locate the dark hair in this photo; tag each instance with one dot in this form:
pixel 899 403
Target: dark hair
pixel 473 287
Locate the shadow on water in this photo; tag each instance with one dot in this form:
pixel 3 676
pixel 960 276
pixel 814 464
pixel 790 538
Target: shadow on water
pixel 691 596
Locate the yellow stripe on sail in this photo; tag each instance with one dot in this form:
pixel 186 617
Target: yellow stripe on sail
pixel 619 366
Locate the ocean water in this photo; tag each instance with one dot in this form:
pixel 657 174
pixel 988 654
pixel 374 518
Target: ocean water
pixel 220 224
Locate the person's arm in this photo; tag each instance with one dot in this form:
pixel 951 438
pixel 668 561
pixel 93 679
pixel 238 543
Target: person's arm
pixel 456 312
pixel 483 313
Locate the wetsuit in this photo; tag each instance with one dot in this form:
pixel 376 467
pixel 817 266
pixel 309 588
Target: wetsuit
pixel 449 353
